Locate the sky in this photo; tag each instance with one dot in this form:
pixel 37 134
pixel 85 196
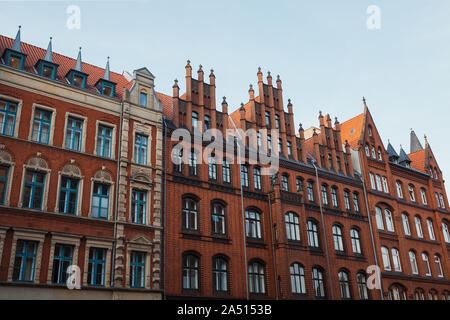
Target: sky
pixel 323 50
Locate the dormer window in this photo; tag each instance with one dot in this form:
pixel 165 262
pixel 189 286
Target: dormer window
pixel 143 99
pixel 79 80
pixel 105 87
pixel 14 59
pixel 46 69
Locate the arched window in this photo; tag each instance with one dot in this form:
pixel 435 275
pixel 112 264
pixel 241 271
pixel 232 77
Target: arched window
pixel 380 156
pixel 143 99
pixel 396 260
pixel 412 196
pixel 397 292
pixel 399 189
pixel 347 200
pixel 257 178
pixel 437 200
pixel 190 272
pixel 337 238
pixel 253 224
pixel 433 295
pixel 386 258
pixel 385 184
pixel 389 220
pixel 310 187
pixel 446 231
pixel 418 223
pixel 344 284
pixel 356 202
pixel 277 121
pixel 361 280
pixel 324 195
pixel 423 195
pixel 356 242
pixel 437 260
pixel 445 295
pixel 436 174
pixel 369 130
pixel 190 214
pixel 374 155
pixel 292 227
pixel 334 197
pixel 220 274
pixel 313 234
pixel 218 221
pixel 299 184
pixel 378 180
pixel 256 278
pixel 441 200
pixel 426 263
pixel 406 228
pixel 285 182
pixel 413 262
pixel 297 279
pixel 430 229
pixel 419 294
pixel 379 218
pixel 366 148
pixel 267 116
pixel 244 175
pixel 318 282
pixel 372 181
pixel 212 168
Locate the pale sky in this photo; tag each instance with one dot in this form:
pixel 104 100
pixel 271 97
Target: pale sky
pixel 326 56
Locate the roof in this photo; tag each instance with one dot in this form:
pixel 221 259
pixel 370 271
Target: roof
pixel 418 159
pixel 403 157
pixel 391 151
pixel 166 104
pixel 65 64
pixel 351 130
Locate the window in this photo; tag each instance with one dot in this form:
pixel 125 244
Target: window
pixel 258 140
pixel 313 234
pixel 441 200
pixel 324 195
pixel 257 178
pixel 226 171
pixel 418 226
pixel 284 183
pixel 68 195
pixel 389 220
pixel 385 184
pixel 366 148
pixel 267 115
pixel 41 126
pixel 190 272
pixel 220 275
pixel 190 214
pixel 424 196
pixel 436 174
pixel 419 294
pixel 218 219
pixel 356 202
pixel 396 260
pixel 356 242
pixel 426 262
pixel 411 193
pixel 256 277
pixel 140 149
pixel 62 259
pixel 379 186
pixel 446 232
pixel 280 146
pixel 207 124
pixel 369 130
pixel 347 200
pixel 334 198
pixel 33 190
pixel 193 164
pixel 339 165
pixel 406 227
pixel 3 183
pixel 194 120
pixel 15 60
pixel 437 200
pixel 79 80
pixel 330 161
pixel 433 295
pixel 430 229
pixel 138 206
pixel 244 176
pixel 212 169
pixel 386 259
pixel 399 189
pixel 74 134
pixel 48 70
pixel 107 89
pixel 100 201
pixel 372 181
pixel 96 267
pixel 396 292
pixel 318 283
pixel 380 156
pixel 143 99
pixel 178 160
pixel 412 260
pixel 297 279
pixel 277 121
pixel 269 144
pixel 289 148
pixel 337 238
pixel 292 227
pixel 361 280
pixel 104 141
pixel 437 260
pixel 299 184
pixel 374 155
pixel 344 285
pixel 253 224
pixel 25 261
pixel 379 218
pixel 137 269
pixel 8 112
pixel 310 188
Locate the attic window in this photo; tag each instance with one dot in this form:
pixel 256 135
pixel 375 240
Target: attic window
pixel 107 89
pixel 48 70
pixel 370 131
pixel 79 80
pixel 15 60
pixel 143 99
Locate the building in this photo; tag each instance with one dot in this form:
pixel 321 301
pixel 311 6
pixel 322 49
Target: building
pixel 80 177
pixel 409 209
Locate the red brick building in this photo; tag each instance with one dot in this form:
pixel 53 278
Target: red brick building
pixel 80 182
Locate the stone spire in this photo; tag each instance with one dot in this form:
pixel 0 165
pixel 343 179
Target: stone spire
pixel 16 44
pixel 78 66
pixel 49 54
pixel 415 143
pixel 107 76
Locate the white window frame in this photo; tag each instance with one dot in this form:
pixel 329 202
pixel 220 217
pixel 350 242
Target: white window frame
pixel 378 180
pixel 52 122
pixel 412 196
pixel 385 184
pixel 47 173
pixel 399 189
pixel 396 260
pixel 64 239
pixel 426 260
pixel 113 142
pixel 406 226
pixel 386 258
pixel 424 196
pixel 413 262
pixel 430 227
pixel 372 181
pixel 19 103
pixel 5 160
pixel 418 224
pixel 101 244
pixel 141 244
pixel 145 130
pixel 389 220
pixel 111 204
pixel 83 134
pixel 80 197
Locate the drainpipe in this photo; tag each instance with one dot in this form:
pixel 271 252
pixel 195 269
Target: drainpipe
pixel 163 246
pixel 243 212
pixel 116 211
pixel 371 228
pixel 313 161
pixel 273 250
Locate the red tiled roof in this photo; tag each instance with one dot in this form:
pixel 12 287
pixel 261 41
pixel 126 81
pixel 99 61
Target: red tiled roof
pixel 166 104
pixel 65 64
pixel 418 159
pixel 351 130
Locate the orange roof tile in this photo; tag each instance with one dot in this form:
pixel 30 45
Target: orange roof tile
pixel 351 130
pixel 166 104
pixel 418 159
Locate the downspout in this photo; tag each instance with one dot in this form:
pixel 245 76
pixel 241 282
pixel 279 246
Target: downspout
pixel 313 161
pixel 371 228
pixel 273 250
pixel 243 213
pixel 116 211
pixel 164 210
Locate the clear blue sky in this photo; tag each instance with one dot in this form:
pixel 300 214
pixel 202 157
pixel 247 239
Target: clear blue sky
pixel 326 56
